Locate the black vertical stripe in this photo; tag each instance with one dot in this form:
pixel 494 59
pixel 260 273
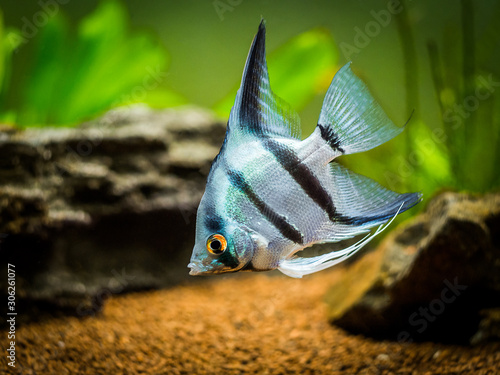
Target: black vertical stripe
pixel 228 260
pixel 250 117
pixel 330 137
pixel 279 221
pixel 212 220
pixel 215 224
pixel 290 162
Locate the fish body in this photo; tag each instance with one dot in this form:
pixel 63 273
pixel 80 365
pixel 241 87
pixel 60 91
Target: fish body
pixel 270 194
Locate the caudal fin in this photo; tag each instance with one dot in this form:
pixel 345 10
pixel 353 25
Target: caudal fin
pixel 351 120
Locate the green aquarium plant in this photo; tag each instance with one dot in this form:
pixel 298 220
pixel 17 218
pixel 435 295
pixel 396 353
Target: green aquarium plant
pixel 9 41
pixel 469 102
pixel 74 75
pixel 460 150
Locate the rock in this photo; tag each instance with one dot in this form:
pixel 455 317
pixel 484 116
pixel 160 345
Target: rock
pixel 489 327
pixel 429 279
pixel 103 208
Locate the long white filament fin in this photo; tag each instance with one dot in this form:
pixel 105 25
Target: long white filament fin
pixel 298 267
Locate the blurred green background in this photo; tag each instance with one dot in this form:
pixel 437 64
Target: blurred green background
pixel 63 62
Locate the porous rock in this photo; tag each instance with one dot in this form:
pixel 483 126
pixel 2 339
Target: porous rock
pixel 431 279
pixel 103 208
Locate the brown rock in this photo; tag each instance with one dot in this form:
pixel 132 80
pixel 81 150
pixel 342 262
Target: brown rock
pixel 430 278
pixel 107 207
pixel 489 326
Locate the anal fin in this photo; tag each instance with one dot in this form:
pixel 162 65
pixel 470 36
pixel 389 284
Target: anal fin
pixel 298 267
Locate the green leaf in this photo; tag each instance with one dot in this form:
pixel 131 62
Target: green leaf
pixel 10 39
pixel 3 54
pixel 41 85
pixel 109 64
pixel 300 69
pixel 76 76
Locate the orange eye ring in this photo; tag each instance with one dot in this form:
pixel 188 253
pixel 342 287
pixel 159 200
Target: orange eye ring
pixel 216 244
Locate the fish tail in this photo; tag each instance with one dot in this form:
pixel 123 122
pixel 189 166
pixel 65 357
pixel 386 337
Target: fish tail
pixel 351 120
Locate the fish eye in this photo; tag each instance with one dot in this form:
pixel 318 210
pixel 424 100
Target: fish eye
pixel 216 244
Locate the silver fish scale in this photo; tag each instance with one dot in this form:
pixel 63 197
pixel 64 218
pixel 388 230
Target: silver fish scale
pixel 270 194
pixel 275 186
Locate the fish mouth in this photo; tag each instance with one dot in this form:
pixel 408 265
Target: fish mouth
pixel 195 269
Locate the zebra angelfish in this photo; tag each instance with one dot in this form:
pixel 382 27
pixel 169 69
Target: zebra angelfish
pixel 270 194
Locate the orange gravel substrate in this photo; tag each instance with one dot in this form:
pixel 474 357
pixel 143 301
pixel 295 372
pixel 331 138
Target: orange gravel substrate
pixel 251 323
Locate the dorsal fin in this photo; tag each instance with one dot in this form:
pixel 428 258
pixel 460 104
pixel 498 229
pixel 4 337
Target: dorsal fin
pixel 256 109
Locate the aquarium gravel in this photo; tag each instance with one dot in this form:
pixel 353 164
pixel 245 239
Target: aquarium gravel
pixel 239 324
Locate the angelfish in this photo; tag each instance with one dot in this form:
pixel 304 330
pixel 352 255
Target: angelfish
pixel 270 194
